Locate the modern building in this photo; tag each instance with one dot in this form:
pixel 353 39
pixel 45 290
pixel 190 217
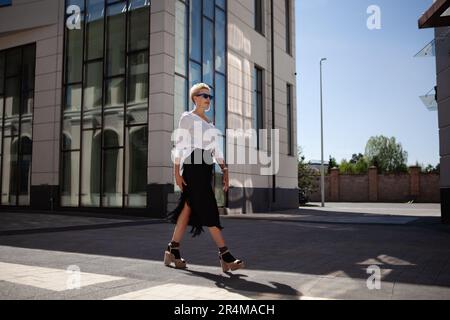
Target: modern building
pixel 438 17
pixel 91 91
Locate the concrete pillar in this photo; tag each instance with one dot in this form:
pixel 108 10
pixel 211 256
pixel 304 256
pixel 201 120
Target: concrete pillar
pixel 373 184
pixel 334 185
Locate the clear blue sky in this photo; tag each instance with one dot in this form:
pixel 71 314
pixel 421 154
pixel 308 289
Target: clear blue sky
pixel 372 83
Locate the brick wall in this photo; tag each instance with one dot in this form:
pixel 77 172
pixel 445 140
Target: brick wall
pixel 374 187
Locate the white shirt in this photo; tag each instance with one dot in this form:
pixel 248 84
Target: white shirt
pixel 196 133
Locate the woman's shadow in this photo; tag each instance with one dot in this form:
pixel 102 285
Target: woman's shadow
pixel 236 283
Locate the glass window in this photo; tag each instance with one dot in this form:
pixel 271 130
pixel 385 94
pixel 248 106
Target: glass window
pixel 4 3
pixel 221 3
pixel 208 8
pixel 115 92
pixel 288 25
pixel 196 30
pixel 220 102
pixel 74 54
pixel 180 38
pixel 116 39
pixel 28 70
pixel 220 40
pixel 181 104
pixel 139 29
pixel 289 118
pixel 112 138
pixel 257 105
pixel 124 88
pixel 259 14
pixel 9 174
pixel 71 132
pixel 12 96
pixel 13 62
pixel 70 178
pixel 137 88
pixel 93 86
pixel 136 166
pixel 25 169
pixel 94 37
pixel 90 167
pixel 208 52
pixel 73 98
pixel 195 75
pixel 2 74
pixel 16 98
pixel 113 178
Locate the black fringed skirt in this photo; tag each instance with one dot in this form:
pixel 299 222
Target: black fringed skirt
pixel 198 193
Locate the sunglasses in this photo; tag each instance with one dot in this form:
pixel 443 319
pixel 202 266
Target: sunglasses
pixel 205 96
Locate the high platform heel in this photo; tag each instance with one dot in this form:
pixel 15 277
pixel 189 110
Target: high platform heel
pixel 228 262
pixel 172 255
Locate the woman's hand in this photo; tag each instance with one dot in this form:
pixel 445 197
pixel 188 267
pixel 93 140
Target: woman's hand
pixel 180 181
pixel 225 181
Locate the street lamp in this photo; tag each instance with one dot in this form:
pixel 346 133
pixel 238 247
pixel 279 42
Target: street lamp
pixel 322 170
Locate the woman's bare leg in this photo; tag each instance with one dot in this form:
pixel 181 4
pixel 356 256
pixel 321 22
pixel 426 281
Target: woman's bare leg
pixel 216 234
pixel 182 223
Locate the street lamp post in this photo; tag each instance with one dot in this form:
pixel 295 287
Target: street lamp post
pixel 322 169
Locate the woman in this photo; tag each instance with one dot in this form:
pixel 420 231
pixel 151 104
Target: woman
pixel 193 169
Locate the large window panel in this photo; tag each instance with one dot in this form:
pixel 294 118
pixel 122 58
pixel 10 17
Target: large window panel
pixel 95 25
pixel 16 106
pixel 12 97
pixel 180 38
pixel 28 70
pixel 195 44
pixel 9 173
pixel 71 132
pixel 180 99
pixel 13 62
pixel 2 75
pixel 220 29
pixel 93 95
pixel 113 178
pixel 195 74
pixel 110 104
pixel 221 3
pixel 74 53
pixel 137 88
pixel 73 98
pixel 136 166
pixel 25 169
pixel 208 8
pixel 220 99
pixel 90 168
pixel 208 52
pixel 139 26
pixel 70 179
pixel 116 22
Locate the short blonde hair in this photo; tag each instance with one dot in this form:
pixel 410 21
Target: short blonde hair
pixel 196 88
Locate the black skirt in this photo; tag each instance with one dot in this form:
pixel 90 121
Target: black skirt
pixel 198 193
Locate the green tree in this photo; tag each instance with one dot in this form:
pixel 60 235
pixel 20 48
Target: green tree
pixel 332 163
pixel 386 154
pixel 306 176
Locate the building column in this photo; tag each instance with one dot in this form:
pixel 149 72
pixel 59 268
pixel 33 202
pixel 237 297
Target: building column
pixel 161 95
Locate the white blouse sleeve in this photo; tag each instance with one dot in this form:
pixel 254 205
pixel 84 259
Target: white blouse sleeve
pixel 217 150
pixel 182 141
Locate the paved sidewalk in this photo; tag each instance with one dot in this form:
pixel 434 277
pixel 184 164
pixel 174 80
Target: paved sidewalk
pixel 310 253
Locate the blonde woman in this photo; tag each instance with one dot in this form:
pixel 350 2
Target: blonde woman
pixel 193 169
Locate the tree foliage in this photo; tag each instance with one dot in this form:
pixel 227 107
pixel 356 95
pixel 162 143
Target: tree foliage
pixel 386 154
